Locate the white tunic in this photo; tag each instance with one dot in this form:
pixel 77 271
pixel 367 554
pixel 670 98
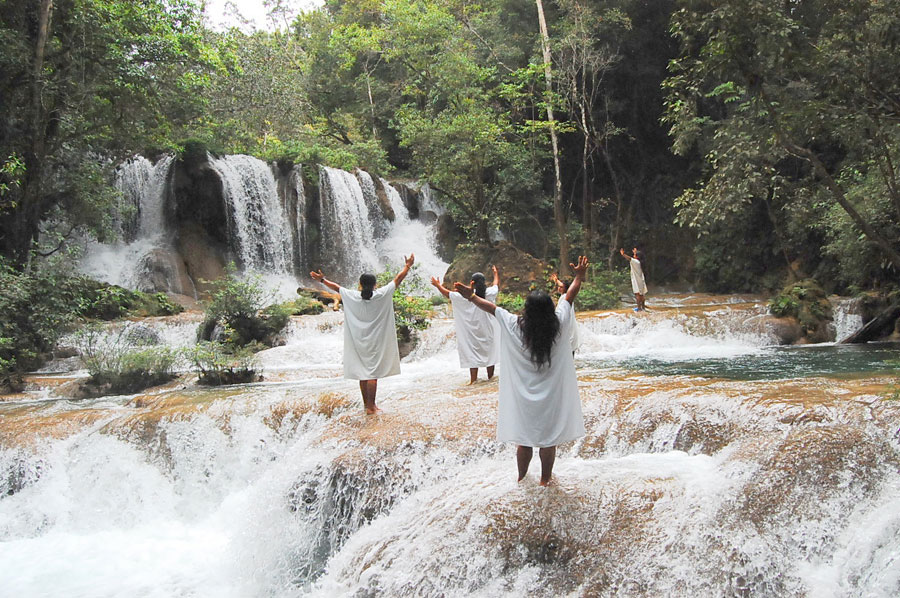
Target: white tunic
pixel 476 331
pixel 370 338
pixel 538 407
pixel 637 277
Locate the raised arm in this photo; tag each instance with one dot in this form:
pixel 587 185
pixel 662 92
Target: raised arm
pixel 469 293
pixel 437 284
pixel 319 277
pixel 496 282
pixel 625 255
pixel 580 271
pixel 402 273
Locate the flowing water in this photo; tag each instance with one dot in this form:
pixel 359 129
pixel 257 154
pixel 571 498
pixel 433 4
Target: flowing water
pixel 704 472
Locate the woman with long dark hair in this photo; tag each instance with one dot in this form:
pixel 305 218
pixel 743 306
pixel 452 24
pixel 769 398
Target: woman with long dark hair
pixel 476 331
pixel 370 337
pixel 539 404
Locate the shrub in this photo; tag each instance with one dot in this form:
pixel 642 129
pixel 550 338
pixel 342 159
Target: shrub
pixel 305 304
pixel 93 299
pixel 603 289
pixel 217 363
pixel 412 310
pixel 511 303
pixel 35 309
pixel 806 301
pixel 124 361
pixel 236 305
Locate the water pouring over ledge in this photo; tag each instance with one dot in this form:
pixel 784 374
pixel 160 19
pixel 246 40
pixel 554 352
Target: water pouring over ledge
pixel 191 220
pixel 684 485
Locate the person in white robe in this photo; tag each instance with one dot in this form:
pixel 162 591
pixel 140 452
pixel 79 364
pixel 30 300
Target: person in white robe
pixel 638 284
pixel 370 337
pixel 539 405
pixel 477 341
pixel 561 287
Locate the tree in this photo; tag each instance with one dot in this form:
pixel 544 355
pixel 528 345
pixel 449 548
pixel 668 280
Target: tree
pixel 787 100
pixel 82 83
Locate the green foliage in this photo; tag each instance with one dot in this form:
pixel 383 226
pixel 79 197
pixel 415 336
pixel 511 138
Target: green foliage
pixel 124 360
pixel 511 303
pixel 603 289
pixel 217 363
pixel 806 301
pixel 35 309
pixel 236 304
pixel 93 299
pixel 412 310
pixel 304 304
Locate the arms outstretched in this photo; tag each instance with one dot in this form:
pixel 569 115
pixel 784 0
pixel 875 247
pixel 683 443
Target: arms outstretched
pixel 469 293
pixel 319 277
pixel 402 273
pixel 436 283
pixel 496 282
pixel 580 271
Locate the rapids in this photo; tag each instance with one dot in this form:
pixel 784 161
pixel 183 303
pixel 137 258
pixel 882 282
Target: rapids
pixel 703 473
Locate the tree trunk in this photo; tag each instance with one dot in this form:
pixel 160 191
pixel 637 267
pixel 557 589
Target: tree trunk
pixel 558 212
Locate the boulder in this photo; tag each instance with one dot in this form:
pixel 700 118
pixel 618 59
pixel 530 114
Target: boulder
pixel 520 272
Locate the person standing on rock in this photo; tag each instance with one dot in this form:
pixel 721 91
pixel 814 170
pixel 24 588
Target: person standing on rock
pixel 476 331
pixel 561 287
pixel 539 404
pixel 638 285
pixel 370 336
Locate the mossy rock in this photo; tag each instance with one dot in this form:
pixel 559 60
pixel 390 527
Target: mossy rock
pixel 807 303
pixel 520 272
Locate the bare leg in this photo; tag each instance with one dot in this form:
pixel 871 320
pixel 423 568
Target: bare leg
pixel 642 305
pixel 523 458
pixel 490 371
pixel 473 375
pixel 548 458
pixel 368 388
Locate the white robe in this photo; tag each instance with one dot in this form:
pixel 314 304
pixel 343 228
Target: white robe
pixel 370 338
pixel 476 331
pixel 638 285
pixel 538 407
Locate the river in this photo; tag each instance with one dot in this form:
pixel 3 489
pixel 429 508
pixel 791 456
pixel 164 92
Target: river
pixel 715 464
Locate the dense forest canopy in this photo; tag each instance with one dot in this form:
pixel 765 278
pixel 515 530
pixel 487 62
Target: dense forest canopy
pixel 738 142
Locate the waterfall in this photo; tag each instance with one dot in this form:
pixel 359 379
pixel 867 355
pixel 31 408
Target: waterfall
pixel 847 318
pixel 348 236
pixel 257 221
pixel 685 485
pixel 144 258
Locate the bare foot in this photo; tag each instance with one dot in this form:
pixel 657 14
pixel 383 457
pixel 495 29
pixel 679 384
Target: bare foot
pixel 471 382
pixel 373 410
pixel 547 482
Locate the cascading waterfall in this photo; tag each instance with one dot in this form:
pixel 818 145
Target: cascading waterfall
pixel 348 237
pixel 684 485
pixel 257 220
pixel 144 259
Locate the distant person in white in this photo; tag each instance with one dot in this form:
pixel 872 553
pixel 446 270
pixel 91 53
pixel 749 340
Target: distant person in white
pixel 370 337
pixel 638 286
pixel 477 339
pixel 539 404
pixel 561 287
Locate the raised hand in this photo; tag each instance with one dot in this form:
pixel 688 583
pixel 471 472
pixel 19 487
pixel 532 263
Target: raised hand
pixel 581 268
pixel 318 276
pixel 410 260
pixel 463 289
pixel 435 281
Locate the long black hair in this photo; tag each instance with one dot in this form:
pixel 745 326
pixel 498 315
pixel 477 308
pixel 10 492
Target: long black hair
pixel 479 284
pixel 539 326
pixel 367 282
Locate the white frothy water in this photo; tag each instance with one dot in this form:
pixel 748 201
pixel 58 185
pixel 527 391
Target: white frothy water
pixel 146 245
pixel 231 500
pixel 256 216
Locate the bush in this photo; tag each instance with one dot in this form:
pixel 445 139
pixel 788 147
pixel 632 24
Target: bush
pixel 124 361
pixel 603 289
pixel 806 301
pixel 411 311
pixel 511 303
pixel 217 364
pixel 96 300
pixel 305 304
pixel 236 305
pixel 35 309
